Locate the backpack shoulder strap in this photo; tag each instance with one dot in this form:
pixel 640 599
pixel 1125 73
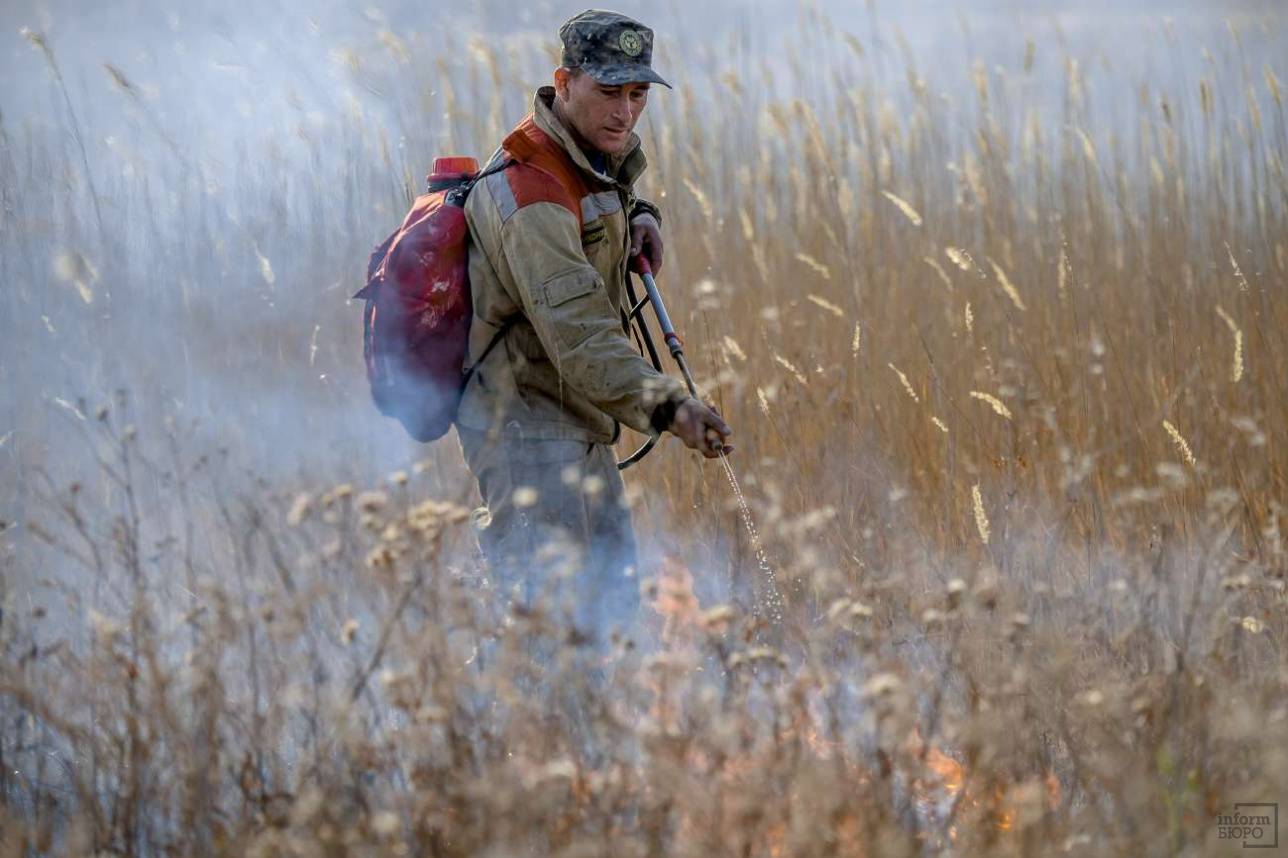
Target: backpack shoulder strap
pixel 457 196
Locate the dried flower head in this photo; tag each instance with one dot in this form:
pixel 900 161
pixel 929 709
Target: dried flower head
pixel 996 404
pixel 301 507
pixel 908 211
pixel 981 518
pixel 960 258
pixel 818 267
pixel 1007 286
pixel 907 385
pixel 790 367
pixel 480 518
pixel 820 301
pixel 1182 445
pixel 882 685
pixel 717 619
pixel 733 349
pixel 373 501
pixel 1236 365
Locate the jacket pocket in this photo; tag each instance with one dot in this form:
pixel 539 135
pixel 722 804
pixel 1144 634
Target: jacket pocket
pixel 562 288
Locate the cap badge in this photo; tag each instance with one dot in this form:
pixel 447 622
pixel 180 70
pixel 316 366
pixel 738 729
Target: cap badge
pixel 630 43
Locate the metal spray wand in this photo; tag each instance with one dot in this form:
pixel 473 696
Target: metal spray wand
pixel 673 342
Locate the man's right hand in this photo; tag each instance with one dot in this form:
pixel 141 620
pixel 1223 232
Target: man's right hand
pixel 701 428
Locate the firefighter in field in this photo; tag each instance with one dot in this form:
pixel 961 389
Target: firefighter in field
pixel 554 371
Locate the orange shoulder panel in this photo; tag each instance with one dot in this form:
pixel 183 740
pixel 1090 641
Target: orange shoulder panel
pixel 531 184
pixel 544 173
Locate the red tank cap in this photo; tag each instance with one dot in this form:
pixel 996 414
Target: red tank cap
pixel 455 165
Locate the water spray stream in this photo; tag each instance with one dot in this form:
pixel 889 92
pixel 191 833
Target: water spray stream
pixel 773 602
pixel 769 605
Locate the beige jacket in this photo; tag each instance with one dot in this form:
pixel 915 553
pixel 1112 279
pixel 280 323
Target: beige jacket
pixel 549 244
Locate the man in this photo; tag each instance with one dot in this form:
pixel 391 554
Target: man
pixel 554 371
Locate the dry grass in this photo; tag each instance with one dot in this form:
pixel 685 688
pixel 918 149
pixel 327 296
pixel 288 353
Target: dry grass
pixel 1033 580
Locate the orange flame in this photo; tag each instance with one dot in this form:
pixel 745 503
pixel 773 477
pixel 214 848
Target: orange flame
pixel 950 772
pixel 946 778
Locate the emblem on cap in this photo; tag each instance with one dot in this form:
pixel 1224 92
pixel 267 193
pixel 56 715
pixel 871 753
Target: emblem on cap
pixel 630 43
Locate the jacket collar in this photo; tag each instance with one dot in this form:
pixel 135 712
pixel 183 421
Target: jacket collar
pixel 623 168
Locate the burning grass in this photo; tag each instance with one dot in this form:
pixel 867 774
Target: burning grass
pixel 1015 456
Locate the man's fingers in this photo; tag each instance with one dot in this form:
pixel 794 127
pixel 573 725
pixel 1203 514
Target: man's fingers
pixel 712 444
pixel 715 434
pixel 702 428
pixel 716 422
pixel 711 451
pixel 654 249
pixel 647 239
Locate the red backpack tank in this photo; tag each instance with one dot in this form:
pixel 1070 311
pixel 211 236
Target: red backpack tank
pixel 416 321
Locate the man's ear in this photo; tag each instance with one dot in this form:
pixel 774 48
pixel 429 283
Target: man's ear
pixel 562 76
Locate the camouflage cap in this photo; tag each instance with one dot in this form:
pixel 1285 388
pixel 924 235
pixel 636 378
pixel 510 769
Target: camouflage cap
pixel 610 47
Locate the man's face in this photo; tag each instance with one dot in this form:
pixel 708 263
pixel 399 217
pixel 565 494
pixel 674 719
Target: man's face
pixel 602 116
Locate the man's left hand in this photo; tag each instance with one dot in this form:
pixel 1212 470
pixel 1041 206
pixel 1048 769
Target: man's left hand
pixel 646 237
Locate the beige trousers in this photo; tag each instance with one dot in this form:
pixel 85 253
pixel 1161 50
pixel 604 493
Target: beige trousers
pixel 559 528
